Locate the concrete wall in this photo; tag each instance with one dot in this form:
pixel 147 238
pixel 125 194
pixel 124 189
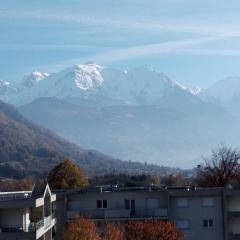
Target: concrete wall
pixel 86 203
pixel 13 217
pixel 17 236
pixel 61 214
pixel 195 213
pixel 233 204
pixel 234 225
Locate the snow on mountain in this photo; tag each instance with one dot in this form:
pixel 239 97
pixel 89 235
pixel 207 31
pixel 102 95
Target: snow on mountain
pixel 225 90
pixel 4 83
pixel 195 90
pixel 90 81
pixel 141 85
pixel 33 78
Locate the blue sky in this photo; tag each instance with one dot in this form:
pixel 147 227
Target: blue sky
pixel 196 42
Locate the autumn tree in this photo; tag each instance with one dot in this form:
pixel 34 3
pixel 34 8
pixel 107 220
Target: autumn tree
pixel 81 229
pixel 66 175
pixel 176 180
pixel 220 169
pixel 113 232
pixel 152 230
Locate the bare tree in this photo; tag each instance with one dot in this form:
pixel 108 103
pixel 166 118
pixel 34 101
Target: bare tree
pixel 220 169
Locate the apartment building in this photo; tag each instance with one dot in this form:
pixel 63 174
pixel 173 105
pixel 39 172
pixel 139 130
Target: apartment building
pixel 201 213
pixel 198 212
pixel 27 215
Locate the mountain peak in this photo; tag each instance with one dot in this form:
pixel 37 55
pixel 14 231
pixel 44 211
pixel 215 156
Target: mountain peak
pixel 4 83
pixel 224 90
pixel 34 77
pixel 141 85
pixel 84 76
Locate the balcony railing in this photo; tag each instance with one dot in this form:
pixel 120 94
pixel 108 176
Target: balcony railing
pixel 5 196
pixel 160 213
pixel 32 227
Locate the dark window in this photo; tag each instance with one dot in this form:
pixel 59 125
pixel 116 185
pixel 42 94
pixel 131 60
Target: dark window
pixel 132 204
pixel 104 204
pixel 208 223
pixel 127 204
pixel 99 204
pixel 205 223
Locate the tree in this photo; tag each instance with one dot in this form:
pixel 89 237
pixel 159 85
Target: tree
pixel 174 180
pixel 66 175
pixel 153 230
pixel 113 232
pixel 81 229
pixel 220 169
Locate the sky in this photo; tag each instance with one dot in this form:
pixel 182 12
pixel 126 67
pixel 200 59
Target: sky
pixel 195 42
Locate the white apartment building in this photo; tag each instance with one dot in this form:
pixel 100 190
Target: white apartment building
pixel 201 213
pixel 27 215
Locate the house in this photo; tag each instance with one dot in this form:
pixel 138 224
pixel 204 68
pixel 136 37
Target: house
pixel 27 214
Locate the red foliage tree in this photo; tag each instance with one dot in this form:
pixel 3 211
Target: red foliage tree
pixel 153 230
pixel 113 232
pixel 81 229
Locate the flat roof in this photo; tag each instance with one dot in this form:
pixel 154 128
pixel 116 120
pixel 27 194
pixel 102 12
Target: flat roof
pixel 6 196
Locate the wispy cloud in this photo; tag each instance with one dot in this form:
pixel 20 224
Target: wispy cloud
pixel 116 55
pixel 211 52
pixel 50 47
pixel 160 25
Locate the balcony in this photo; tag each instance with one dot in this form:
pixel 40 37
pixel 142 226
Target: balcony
pixel 44 225
pixel 160 213
pixel 32 227
pixel 120 214
pixel 115 213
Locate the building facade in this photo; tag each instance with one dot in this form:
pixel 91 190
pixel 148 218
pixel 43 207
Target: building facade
pixel 201 213
pixel 27 215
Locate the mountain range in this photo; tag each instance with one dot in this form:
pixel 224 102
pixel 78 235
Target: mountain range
pixel 137 114
pixel 28 148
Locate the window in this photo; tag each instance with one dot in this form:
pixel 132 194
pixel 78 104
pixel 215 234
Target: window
pixel 129 204
pixel 104 203
pixel 208 223
pixel 182 224
pixel 101 203
pixel 208 202
pixel 152 203
pixel 182 202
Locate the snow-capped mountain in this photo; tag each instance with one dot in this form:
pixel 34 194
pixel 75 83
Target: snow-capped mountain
pixel 4 85
pixel 33 78
pixel 225 90
pixel 91 82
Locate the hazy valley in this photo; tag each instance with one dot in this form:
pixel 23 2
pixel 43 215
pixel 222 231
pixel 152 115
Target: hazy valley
pixel 138 115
